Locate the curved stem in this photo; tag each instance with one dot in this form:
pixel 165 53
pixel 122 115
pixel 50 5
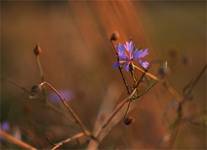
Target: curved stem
pixel 40 68
pixel 113 114
pixel 69 108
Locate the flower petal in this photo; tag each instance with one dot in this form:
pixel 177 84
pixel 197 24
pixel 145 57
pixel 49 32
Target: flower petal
pixel 140 53
pixel 129 46
pixel 121 51
pixel 145 64
pixel 126 66
pixel 116 65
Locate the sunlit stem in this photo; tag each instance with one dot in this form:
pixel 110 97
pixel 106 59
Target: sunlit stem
pixel 129 103
pixel 40 68
pixel 147 73
pixel 16 141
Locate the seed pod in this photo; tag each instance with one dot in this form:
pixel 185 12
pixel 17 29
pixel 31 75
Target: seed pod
pixel 37 50
pixel 35 92
pixel 114 36
pixel 128 120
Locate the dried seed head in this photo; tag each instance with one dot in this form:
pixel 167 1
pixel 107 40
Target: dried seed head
pixel 35 92
pixel 128 120
pixel 114 36
pixel 37 50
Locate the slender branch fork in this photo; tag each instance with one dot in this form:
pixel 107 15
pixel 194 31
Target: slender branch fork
pixel 187 91
pixel 127 99
pixel 144 72
pixel 116 111
pixel 85 132
pixel 69 108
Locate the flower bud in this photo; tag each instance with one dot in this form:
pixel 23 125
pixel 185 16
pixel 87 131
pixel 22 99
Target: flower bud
pixel 128 120
pixel 114 36
pixel 35 92
pixel 37 50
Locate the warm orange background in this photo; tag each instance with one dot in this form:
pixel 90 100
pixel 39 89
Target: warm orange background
pixel 77 55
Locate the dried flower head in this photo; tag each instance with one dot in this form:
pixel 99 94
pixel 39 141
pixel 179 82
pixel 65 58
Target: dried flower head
pixel 127 54
pixel 37 50
pixel 35 92
pixel 128 120
pixel 114 36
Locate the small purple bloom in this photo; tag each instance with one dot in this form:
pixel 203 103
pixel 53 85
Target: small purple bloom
pixel 66 94
pixel 5 126
pixel 127 53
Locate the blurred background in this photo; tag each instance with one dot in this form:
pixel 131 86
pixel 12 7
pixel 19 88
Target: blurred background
pixel 77 59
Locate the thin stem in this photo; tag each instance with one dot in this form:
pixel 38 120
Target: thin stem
pixel 147 73
pixel 120 70
pixel 69 108
pixel 147 90
pixel 16 141
pixel 133 76
pixel 172 90
pixel 175 131
pixel 189 87
pixel 135 87
pixel 187 90
pixel 76 136
pixel 40 68
pixel 118 107
pixel 129 103
pixel 127 110
pixel 18 86
pixel 141 78
pixel 58 111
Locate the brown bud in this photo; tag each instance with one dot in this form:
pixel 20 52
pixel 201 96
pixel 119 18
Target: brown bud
pixel 35 92
pixel 37 50
pixel 128 120
pixel 114 36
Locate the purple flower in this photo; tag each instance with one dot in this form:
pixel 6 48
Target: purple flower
pixel 5 126
pixel 68 95
pixel 127 53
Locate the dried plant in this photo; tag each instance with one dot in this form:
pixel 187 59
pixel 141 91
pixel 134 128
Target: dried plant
pixel 135 73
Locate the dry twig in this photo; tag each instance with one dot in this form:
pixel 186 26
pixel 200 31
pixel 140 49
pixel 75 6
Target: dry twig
pixel 76 136
pixel 16 141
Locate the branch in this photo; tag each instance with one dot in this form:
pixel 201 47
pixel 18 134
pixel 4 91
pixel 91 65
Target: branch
pixel 147 73
pixel 16 141
pixel 68 107
pixel 76 136
pixel 94 144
